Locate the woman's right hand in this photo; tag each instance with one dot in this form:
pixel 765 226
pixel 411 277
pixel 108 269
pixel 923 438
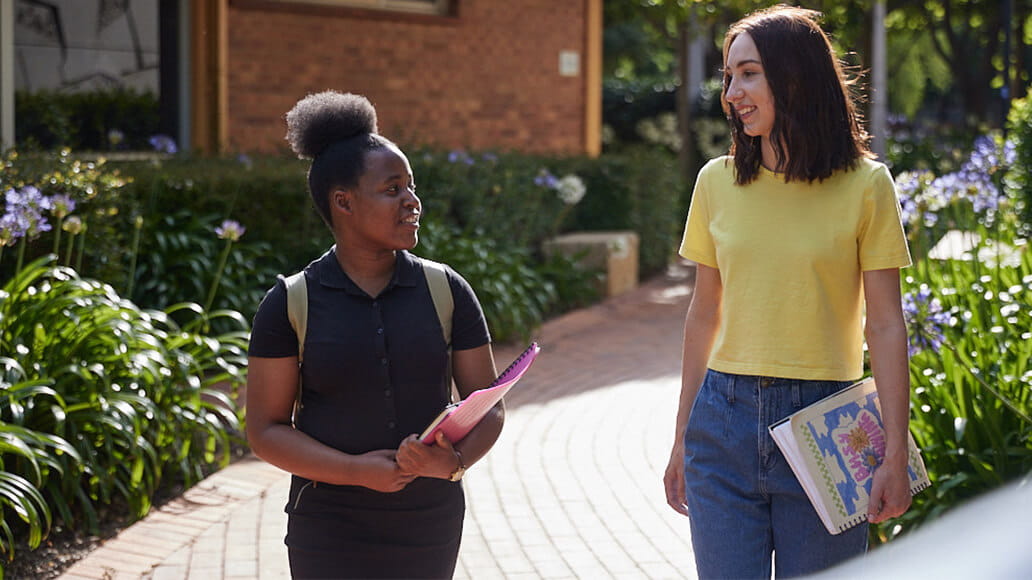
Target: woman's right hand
pixel 382 472
pixel 673 481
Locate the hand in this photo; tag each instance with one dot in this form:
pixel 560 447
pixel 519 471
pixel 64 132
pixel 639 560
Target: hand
pixel 382 472
pixel 890 493
pixel 673 481
pixel 417 458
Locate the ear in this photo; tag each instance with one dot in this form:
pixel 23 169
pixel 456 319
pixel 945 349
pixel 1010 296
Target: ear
pixel 341 200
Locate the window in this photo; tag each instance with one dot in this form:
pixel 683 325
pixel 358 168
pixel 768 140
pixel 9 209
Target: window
pixel 88 74
pixel 417 6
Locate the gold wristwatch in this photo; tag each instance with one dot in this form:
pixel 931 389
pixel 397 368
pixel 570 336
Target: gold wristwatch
pixel 460 470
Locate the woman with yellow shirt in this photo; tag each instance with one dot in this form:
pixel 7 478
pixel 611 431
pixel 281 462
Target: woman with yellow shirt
pixel 795 234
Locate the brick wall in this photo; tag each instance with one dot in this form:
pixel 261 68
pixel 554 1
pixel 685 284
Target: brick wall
pixel 487 77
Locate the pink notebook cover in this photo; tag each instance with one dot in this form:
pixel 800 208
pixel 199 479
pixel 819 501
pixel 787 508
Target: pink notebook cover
pixel 458 419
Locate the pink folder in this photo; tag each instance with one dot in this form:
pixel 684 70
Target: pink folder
pixel 458 419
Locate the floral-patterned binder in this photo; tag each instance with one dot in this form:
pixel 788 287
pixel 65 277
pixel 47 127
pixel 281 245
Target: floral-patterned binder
pixel 834 446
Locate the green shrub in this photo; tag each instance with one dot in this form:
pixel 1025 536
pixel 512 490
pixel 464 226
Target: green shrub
pixel 640 190
pixel 970 335
pixel 516 295
pixel 105 403
pixel 267 194
pixel 178 261
pixel 970 372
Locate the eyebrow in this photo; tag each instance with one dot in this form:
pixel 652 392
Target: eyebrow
pixel 746 61
pixel 396 177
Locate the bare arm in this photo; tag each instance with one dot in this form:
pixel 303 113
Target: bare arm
pixel 472 369
pixel 700 329
pixel 886 335
pixel 272 386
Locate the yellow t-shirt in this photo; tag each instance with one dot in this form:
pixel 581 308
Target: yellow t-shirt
pixel 790 257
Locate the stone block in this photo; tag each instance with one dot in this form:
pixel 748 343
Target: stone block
pixel 615 253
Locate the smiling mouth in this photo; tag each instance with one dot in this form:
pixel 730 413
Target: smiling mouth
pixel 744 111
pixel 412 220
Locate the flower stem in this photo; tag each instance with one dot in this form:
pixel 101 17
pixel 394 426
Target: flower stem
pixel 68 252
pixel 218 275
pixel 132 258
pixel 82 249
pixel 57 237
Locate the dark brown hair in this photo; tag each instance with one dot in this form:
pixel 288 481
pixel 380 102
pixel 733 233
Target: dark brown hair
pixel 817 128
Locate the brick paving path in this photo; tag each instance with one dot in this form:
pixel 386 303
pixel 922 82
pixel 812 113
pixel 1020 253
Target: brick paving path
pixel 572 489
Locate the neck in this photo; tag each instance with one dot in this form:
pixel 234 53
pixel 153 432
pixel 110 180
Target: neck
pixel 768 158
pixel 370 270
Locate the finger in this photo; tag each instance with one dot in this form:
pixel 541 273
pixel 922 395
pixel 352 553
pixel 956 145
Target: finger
pixel 675 496
pixel 443 441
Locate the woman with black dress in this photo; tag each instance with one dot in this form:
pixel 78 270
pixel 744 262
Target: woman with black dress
pixel 367 499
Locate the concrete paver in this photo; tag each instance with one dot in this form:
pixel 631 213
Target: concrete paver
pixel 572 489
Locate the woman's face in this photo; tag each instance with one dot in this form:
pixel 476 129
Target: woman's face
pixel 748 92
pixel 384 208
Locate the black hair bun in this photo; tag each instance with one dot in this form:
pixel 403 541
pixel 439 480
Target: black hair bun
pixel 322 119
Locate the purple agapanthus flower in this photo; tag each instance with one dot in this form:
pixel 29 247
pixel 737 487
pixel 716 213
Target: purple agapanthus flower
pixel 230 230
pixel 459 156
pixel 61 205
pixel 926 320
pixel 911 185
pixel 23 216
pixel 164 144
pixel 546 179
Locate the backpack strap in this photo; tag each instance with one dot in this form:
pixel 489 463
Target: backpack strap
pixel 297 309
pixel 440 292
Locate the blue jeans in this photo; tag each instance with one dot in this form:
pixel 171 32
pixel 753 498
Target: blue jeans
pixel 744 502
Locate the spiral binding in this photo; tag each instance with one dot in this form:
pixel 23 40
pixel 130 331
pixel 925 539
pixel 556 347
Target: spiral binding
pixel 505 375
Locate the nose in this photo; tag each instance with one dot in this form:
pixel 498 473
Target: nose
pixel 411 200
pixel 734 92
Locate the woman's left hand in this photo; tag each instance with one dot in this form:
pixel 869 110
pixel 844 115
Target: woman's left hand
pixel 890 493
pixel 437 460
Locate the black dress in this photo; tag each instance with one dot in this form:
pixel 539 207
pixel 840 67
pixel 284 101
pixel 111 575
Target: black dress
pixel 374 372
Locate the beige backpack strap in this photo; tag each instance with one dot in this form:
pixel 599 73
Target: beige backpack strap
pixel 297 309
pixel 440 292
pixel 444 304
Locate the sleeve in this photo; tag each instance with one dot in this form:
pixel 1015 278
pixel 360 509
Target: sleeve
pixel 272 335
pixel 697 243
pixel 881 240
pixel 469 326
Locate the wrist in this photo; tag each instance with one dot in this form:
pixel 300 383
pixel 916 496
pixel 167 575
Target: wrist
pixel 460 467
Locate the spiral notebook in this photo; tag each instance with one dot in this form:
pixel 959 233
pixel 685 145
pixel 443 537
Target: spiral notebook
pixel 458 419
pixel 834 446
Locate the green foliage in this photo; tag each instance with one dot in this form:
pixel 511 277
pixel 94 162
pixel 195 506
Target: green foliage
pixel 268 195
pixel 1019 178
pixel 915 69
pixel 177 262
pixel 93 121
pixel 972 381
pixel 639 190
pixel 516 293
pixel 98 190
pixel 970 325
pixel 104 402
